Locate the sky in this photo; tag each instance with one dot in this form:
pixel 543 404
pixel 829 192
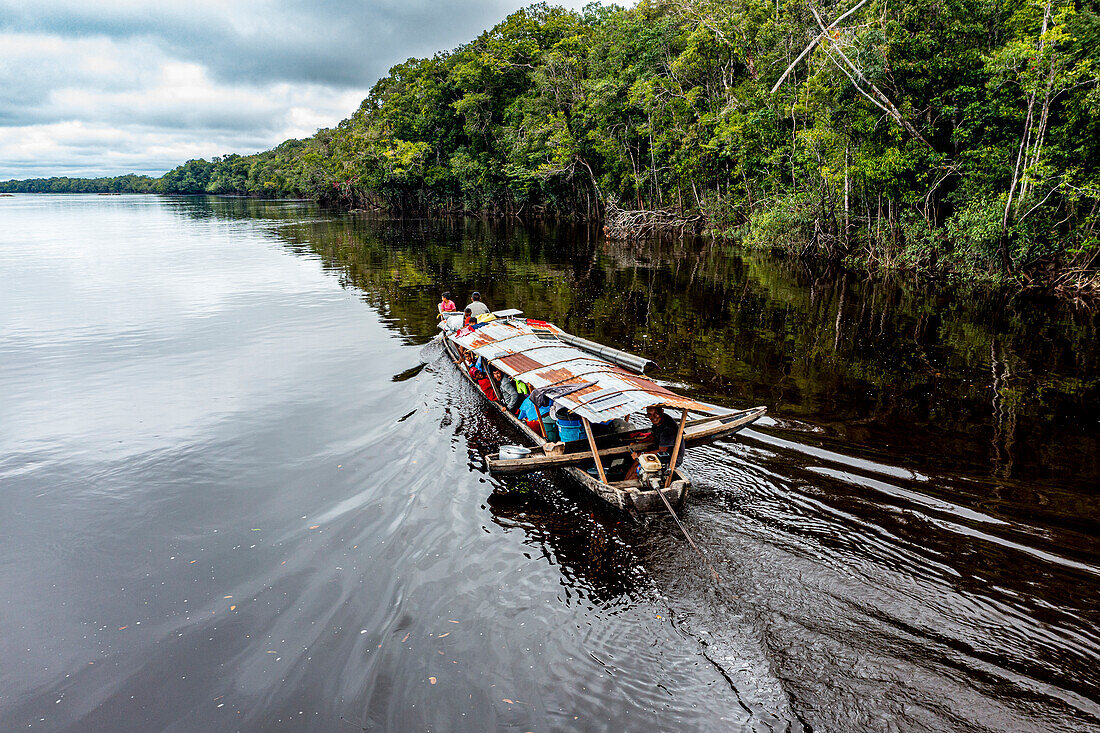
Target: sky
pixel 106 87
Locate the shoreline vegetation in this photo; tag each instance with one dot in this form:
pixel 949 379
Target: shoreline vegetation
pixel 954 138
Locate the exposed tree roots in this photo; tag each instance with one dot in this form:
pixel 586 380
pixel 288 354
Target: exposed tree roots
pixel 621 224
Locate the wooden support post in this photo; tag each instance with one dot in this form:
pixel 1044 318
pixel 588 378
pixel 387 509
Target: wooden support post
pixel 676 449
pixel 538 416
pixel 595 452
pixel 489 376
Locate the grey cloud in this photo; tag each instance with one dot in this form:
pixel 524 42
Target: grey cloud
pixel 91 160
pixel 14 115
pixel 210 119
pixel 342 43
pixel 219 116
pixel 102 64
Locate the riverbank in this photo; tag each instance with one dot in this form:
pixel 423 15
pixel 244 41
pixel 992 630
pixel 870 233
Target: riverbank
pixel 1074 275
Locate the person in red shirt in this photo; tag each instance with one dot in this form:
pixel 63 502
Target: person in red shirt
pixel 468 362
pixel 446 305
pixel 487 387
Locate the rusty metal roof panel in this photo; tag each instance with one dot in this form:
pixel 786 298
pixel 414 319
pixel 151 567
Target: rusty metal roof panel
pixel 533 354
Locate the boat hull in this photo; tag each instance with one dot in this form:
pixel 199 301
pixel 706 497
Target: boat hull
pixel 630 499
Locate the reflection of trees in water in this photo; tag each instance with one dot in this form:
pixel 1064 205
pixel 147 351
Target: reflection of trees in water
pixel 877 362
pixel 1005 397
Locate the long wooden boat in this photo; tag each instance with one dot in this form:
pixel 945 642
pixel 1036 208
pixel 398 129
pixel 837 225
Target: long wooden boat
pixel 609 387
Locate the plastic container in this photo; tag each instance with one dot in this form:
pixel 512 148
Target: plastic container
pixel 552 435
pixel 571 429
pixel 551 429
pixel 511 452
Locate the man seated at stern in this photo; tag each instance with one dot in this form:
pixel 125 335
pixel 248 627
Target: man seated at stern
pixel 662 438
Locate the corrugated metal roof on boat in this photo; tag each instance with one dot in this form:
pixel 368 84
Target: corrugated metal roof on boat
pixel 535 356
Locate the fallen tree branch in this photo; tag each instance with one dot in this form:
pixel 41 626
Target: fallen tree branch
pixel 813 43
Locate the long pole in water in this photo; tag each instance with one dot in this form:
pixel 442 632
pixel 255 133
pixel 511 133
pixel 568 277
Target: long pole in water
pixel 668 482
pixel 661 493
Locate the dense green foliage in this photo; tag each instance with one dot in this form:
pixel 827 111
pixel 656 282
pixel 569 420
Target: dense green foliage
pixel 958 135
pixel 63 184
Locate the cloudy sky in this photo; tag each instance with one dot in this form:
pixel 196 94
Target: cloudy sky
pixel 104 87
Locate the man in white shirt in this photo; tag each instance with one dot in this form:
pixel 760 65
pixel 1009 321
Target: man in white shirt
pixel 476 307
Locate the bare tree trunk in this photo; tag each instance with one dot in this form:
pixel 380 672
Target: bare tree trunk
pixel 794 143
pixel 877 97
pixel 1024 160
pixel 878 222
pixel 653 165
pixel 846 189
pixel 1040 134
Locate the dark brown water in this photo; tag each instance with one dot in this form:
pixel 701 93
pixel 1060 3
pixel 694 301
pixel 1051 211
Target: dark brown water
pixel 242 490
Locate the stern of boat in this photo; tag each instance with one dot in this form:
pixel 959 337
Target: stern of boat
pixel 649 502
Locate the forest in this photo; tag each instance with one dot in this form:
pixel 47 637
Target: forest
pixel 953 137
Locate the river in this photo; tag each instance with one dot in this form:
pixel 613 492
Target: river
pixel 243 490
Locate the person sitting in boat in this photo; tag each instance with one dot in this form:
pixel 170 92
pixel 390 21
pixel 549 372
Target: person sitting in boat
pixel 482 365
pixel 509 395
pixel 528 413
pixel 486 385
pixel 662 435
pixel 468 318
pixel 476 307
pixel 470 365
pixel 446 305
